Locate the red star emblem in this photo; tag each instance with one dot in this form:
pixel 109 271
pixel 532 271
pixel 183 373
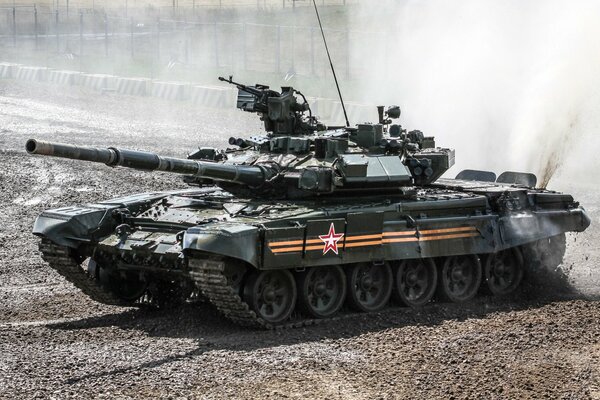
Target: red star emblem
pixel 331 240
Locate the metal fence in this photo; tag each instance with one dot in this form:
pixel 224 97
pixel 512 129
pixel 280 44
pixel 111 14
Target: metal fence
pixel 169 5
pixel 166 44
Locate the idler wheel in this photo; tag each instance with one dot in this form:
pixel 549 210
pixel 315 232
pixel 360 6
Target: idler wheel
pixel 415 281
pixel 126 285
pixel 322 291
pixel 504 271
pixel 271 295
pixel 369 286
pixel 460 278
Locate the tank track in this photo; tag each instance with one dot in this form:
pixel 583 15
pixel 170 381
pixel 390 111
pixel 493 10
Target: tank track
pixel 210 278
pixel 60 259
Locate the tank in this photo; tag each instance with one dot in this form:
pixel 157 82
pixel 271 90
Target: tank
pixel 304 223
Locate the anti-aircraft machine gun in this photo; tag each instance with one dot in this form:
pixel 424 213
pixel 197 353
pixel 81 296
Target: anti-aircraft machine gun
pixel 281 112
pixel 297 158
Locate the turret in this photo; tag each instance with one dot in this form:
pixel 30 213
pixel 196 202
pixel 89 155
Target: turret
pixel 298 157
pixel 291 167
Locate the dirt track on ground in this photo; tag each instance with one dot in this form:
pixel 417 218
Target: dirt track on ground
pixel 55 343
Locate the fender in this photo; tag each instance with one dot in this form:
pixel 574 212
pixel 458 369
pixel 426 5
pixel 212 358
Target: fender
pixel 519 229
pixel 232 240
pixel 70 226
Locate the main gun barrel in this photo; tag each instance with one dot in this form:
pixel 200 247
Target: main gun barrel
pixel 251 175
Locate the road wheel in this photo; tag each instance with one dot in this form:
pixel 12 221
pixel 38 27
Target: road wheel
pixel 369 286
pixel 460 278
pixel 322 291
pixel 271 295
pixel 504 271
pixel 415 281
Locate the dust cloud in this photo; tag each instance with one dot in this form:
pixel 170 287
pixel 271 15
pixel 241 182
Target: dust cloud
pixel 511 85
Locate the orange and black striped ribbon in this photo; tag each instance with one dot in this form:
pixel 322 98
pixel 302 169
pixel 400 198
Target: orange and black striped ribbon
pixel 288 246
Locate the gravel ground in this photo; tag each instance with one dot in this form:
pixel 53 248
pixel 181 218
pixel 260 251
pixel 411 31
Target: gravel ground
pixel 55 343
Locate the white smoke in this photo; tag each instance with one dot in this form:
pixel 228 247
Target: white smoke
pixel 511 84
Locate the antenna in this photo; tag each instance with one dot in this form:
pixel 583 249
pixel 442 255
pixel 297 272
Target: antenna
pixel 331 64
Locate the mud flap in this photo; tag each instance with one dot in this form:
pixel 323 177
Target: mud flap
pixel 517 178
pixel 476 175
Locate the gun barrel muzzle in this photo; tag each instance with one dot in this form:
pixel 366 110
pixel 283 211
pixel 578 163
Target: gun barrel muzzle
pixel 105 156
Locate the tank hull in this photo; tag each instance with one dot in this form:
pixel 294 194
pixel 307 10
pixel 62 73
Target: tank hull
pixel 188 238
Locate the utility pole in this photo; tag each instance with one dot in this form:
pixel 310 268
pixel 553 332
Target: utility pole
pixel 35 25
pixel 57 30
pixel 278 52
pixel 14 26
pixel 216 43
pixel 80 39
pixel 105 33
pixel 132 44
pixel 158 41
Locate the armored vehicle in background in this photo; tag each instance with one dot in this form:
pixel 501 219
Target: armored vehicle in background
pixel 306 221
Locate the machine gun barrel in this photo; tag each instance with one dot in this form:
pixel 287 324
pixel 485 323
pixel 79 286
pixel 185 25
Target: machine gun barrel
pixel 240 86
pixel 251 175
